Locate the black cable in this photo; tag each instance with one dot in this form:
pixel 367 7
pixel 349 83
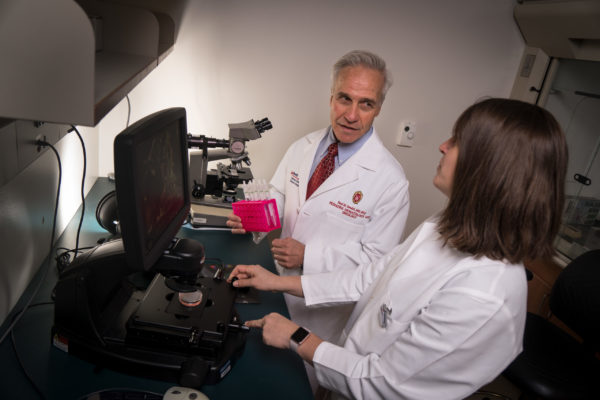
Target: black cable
pixel 128 110
pixel 73 128
pixel 63 259
pixel 20 361
pixel 19 315
pixel 70 250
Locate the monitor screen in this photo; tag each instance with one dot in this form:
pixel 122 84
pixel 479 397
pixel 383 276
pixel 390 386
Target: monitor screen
pixel 151 177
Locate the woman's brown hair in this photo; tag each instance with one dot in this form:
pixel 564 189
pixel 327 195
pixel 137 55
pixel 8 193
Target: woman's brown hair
pixel 508 188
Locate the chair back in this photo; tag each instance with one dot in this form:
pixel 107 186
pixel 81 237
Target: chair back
pixel 575 298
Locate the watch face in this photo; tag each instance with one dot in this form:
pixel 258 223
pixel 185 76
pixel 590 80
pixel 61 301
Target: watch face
pixel 237 146
pixel 300 335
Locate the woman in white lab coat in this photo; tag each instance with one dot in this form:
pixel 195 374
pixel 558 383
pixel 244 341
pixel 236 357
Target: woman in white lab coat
pixel 444 312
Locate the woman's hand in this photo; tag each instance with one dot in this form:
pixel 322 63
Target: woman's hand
pixel 257 277
pixel 277 330
pixel 253 276
pixel 235 223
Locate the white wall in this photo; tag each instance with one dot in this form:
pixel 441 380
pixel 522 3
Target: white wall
pixel 27 204
pixel 235 60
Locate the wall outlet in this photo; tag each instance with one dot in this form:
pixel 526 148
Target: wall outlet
pixel 406 134
pixel 27 133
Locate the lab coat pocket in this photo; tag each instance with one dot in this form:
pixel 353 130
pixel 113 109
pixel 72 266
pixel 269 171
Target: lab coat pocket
pixel 339 229
pixel 378 327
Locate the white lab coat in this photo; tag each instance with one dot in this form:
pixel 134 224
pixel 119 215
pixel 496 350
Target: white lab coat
pixel 357 215
pixel 456 322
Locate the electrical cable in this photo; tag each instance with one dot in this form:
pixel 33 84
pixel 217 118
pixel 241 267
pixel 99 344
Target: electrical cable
pixel 128 110
pixel 70 250
pixel 19 315
pixel 73 128
pixel 63 259
pixel 20 361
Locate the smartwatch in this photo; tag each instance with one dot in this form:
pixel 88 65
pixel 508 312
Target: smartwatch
pixel 298 338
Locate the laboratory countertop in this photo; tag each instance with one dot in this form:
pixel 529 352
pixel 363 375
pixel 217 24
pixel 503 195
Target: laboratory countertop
pixel 260 372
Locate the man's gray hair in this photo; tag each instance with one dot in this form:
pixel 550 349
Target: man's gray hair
pixel 366 59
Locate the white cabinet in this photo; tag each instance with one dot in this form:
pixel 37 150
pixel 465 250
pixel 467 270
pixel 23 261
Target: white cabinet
pixel 50 69
pixel 561 28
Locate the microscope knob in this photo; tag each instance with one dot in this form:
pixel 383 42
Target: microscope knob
pixel 197 190
pixel 237 146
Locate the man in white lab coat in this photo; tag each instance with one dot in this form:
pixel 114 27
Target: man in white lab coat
pixel 359 212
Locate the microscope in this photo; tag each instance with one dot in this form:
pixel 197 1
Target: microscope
pixel 144 303
pixel 220 185
pixel 213 191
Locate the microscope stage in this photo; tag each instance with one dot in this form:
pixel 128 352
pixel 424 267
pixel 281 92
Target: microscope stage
pixel 162 320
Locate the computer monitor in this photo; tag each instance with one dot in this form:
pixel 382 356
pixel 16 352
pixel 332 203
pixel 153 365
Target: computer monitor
pixel 151 178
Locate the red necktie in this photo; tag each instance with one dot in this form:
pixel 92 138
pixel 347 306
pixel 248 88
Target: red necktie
pixel 323 170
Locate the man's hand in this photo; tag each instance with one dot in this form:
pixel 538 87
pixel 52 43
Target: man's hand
pixel 288 252
pixel 257 277
pixel 253 276
pixel 235 223
pixel 277 330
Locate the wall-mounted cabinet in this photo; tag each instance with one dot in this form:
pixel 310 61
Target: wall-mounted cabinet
pixel 561 28
pixel 71 62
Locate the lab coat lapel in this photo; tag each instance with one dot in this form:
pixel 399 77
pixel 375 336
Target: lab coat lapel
pixel 345 174
pixel 362 161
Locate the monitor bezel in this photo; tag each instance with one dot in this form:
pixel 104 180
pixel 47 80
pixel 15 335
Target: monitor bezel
pixel 128 190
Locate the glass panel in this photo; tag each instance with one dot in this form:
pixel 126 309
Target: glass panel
pixel 574 99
